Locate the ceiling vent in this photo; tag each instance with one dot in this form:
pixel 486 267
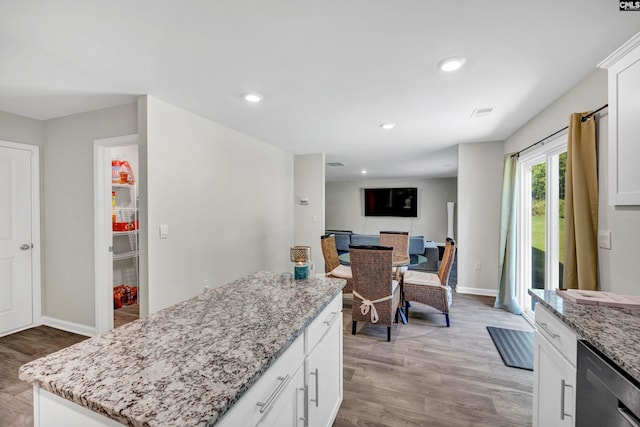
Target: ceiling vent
pixel 481 112
pixel 336 164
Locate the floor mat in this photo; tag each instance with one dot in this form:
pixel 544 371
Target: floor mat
pixel 515 347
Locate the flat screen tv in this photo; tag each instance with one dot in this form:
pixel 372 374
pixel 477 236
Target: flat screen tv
pixel 401 202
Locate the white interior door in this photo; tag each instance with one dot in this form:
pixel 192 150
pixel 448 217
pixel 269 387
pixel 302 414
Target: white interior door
pixel 16 286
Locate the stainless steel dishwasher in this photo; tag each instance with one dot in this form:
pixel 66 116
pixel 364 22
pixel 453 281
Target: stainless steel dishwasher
pixel 605 396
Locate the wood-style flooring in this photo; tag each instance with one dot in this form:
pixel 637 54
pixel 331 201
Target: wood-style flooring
pixel 433 376
pixel 125 314
pixel 16 397
pixel 428 375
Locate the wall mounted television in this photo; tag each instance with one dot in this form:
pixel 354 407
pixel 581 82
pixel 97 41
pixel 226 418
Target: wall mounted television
pixel 402 202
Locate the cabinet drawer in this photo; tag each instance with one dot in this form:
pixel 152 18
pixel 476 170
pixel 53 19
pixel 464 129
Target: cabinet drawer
pixel 562 337
pixel 324 321
pixel 266 392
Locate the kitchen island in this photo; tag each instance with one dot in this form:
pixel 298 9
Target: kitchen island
pixel 586 363
pixel 615 332
pixel 192 363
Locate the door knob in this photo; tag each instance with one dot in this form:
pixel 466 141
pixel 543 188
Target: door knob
pixel 25 247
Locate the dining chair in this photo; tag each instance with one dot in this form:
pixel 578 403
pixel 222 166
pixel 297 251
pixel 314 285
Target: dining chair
pixel 399 240
pixel 430 288
pixel 376 296
pixel 332 265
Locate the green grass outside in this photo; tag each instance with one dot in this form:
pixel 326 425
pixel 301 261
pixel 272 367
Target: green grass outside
pixel 538 234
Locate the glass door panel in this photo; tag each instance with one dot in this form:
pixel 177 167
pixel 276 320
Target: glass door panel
pixel 538 225
pixel 562 159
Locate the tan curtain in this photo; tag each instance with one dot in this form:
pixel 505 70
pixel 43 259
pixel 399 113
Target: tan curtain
pixel 581 206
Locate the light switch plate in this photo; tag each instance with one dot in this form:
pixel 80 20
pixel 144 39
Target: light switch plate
pixel 164 231
pixel 604 239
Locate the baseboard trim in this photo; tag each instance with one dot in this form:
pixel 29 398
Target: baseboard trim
pixel 76 328
pixel 477 291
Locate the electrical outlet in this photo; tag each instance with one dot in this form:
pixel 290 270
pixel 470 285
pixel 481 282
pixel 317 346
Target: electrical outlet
pixel 478 265
pixel 206 285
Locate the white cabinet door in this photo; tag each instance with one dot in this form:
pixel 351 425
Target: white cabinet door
pixel 554 387
pixel 624 89
pixel 324 378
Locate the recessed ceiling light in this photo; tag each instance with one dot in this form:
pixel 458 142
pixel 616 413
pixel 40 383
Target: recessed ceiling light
pixel 452 64
pixel 388 126
pixel 253 97
pixel 363 171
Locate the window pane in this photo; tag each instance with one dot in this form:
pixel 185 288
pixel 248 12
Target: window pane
pixel 538 225
pixel 562 167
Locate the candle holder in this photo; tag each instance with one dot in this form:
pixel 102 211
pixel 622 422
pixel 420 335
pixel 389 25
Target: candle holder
pixel 301 257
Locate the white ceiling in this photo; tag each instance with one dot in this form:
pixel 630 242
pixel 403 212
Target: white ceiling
pixel 331 71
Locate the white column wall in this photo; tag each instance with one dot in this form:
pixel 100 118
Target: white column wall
pixel 309 219
pixel 479 198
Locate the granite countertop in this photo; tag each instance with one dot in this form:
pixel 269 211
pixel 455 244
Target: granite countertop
pixel 188 364
pixel 613 331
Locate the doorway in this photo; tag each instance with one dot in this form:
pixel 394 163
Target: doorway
pixel 541 220
pixel 116 231
pixel 20 294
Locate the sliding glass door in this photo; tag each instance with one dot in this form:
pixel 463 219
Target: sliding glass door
pixel 541 220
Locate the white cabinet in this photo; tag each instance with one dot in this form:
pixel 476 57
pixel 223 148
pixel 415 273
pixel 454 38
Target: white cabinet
pixel 288 410
pixel 303 388
pixel 624 127
pixel 277 398
pixel 324 381
pixel 554 381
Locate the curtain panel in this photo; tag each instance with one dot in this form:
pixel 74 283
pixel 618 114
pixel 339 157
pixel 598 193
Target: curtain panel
pixel 581 206
pixel 507 296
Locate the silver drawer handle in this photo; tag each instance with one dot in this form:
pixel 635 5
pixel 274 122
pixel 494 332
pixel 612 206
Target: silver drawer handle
pixel 563 385
pixel 315 373
pixel 545 328
pixel 628 415
pixel 334 315
pixel 265 405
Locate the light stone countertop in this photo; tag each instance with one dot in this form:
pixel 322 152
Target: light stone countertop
pixel 188 364
pixel 615 332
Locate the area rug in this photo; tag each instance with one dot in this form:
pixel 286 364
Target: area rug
pixel 515 347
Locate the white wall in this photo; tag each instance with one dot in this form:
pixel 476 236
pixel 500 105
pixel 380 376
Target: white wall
pixel 14 128
pixel 68 275
pixel 309 219
pixel 226 198
pixel 345 207
pixel 479 198
pixel 618 266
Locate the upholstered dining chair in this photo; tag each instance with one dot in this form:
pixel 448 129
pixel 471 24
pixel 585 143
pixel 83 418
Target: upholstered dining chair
pixel 376 296
pixel 332 265
pixel 430 288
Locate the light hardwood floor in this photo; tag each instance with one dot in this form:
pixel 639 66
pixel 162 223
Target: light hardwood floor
pixel 431 375
pixel 125 314
pixel 428 375
pixel 16 397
